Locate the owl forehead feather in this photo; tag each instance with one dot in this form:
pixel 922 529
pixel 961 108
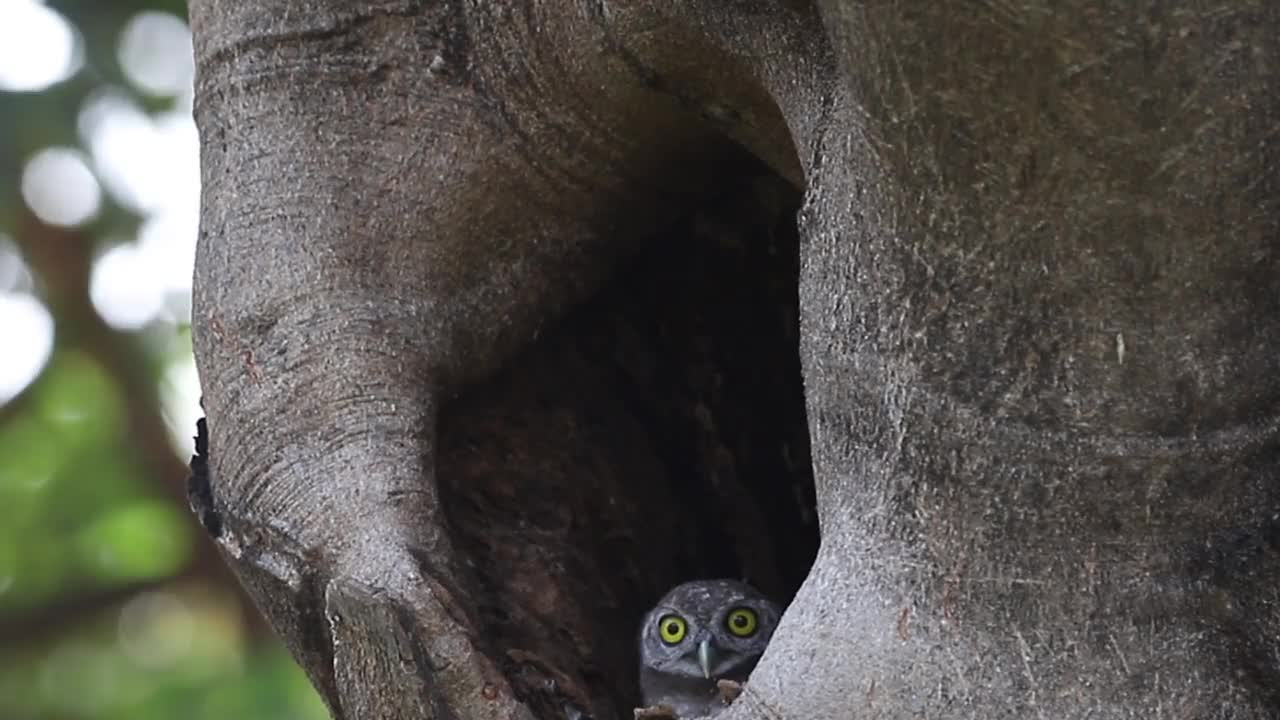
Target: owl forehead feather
pixel 702 598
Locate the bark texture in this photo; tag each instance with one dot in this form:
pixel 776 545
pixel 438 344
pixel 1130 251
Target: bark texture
pixel 497 328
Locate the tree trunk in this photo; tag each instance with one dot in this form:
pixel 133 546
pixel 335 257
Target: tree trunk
pixel 502 332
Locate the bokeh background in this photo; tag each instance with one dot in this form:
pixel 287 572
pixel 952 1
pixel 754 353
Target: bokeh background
pixel 113 604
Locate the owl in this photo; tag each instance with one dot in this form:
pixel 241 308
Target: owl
pixel 701 632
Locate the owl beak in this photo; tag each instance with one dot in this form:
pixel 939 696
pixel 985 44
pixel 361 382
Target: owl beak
pixel 706 657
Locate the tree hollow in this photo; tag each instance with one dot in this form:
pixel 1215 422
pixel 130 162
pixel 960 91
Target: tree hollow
pixel 656 434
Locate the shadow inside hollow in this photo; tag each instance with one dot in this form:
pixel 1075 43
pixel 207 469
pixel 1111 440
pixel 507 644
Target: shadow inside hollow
pixel 657 435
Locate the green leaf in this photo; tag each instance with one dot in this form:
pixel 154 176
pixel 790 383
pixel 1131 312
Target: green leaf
pixel 143 540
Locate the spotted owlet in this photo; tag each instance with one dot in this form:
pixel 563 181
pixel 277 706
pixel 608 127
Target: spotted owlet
pixel 699 633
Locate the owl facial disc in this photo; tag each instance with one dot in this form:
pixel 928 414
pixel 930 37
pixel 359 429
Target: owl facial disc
pixel 700 633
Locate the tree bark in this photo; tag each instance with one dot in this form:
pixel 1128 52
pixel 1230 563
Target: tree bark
pixel 461 435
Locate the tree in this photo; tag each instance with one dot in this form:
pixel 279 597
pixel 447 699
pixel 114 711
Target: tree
pixel 1037 316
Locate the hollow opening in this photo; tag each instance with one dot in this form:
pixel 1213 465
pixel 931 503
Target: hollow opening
pixel 656 435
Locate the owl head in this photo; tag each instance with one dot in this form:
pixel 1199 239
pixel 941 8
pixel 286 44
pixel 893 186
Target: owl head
pixel 708 630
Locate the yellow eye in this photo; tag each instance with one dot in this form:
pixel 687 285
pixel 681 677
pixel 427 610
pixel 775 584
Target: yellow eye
pixel 672 629
pixel 742 622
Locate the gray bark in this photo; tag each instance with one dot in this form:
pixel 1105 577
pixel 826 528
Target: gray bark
pixel 1037 285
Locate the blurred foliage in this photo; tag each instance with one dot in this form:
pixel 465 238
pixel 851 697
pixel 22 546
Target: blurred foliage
pixel 113 604
pixel 74 512
pixel 171 654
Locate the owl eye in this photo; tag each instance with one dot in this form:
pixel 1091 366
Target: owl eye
pixel 672 629
pixel 742 622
